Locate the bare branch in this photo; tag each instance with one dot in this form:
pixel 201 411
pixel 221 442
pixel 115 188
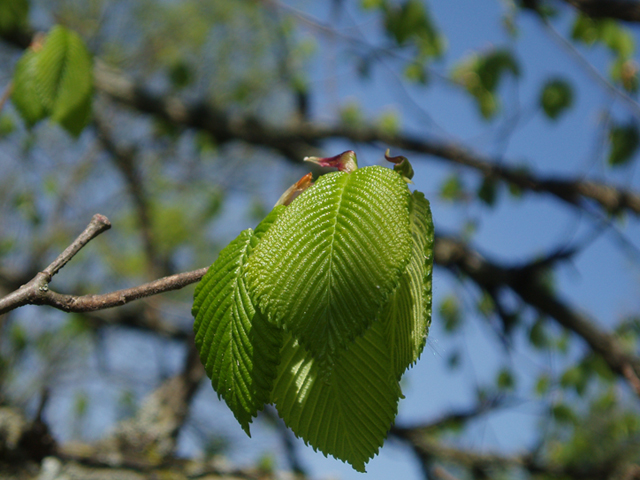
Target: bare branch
pixel 90 303
pixel 99 223
pixel 37 291
pixel 39 285
pixel 528 284
pixel 625 10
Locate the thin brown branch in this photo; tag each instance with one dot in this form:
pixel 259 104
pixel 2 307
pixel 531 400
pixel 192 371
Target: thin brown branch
pixel 37 291
pixel 90 303
pixel 626 10
pixel 39 286
pixel 99 223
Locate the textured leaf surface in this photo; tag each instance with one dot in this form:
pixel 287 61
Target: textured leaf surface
pixel 407 316
pixel 238 347
pixel 327 266
pixel 348 413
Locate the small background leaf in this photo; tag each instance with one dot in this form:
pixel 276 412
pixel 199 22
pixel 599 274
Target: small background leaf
pixel 56 80
pixel 556 96
pixel 624 143
pixel 410 21
pixel 481 75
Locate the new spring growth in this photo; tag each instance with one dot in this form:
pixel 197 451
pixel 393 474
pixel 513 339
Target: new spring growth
pixel 294 190
pixel 402 166
pixel 344 162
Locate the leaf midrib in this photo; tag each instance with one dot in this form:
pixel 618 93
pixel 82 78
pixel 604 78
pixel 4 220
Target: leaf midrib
pixel 333 239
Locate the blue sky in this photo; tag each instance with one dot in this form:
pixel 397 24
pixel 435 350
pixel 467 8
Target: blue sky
pixel 602 280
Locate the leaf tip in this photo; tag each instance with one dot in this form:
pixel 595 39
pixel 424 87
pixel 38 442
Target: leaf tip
pixel 401 165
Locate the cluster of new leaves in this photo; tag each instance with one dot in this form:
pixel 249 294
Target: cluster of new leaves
pixel 54 78
pixel 321 309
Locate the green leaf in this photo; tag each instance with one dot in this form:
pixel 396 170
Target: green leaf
pixel 556 96
pixel 371 4
pixel 493 65
pixel 416 72
pixel 351 114
pixel 64 78
pixel 537 334
pixel 55 80
pixel 542 385
pixel 481 75
pixel 562 413
pixel 412 22
pixel 585 29
pixel 488 191
pixel 625 72
pixel 505 380
pixel 77 118
pixel 389 123
pixel 452 189
pixel 348 414
pixel 327 266
pixel 407 316
pixel 575 377
pixel 238 347
pixel 25 96
pixel 624 141
pixel 14 15
pixel 450 313
pixel 7 125
pixel 608 31
pixel 617 38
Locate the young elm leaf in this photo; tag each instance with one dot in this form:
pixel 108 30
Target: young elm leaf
pixel 407 315
pixel 327 266
pixel 239 348
pixel 348 413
